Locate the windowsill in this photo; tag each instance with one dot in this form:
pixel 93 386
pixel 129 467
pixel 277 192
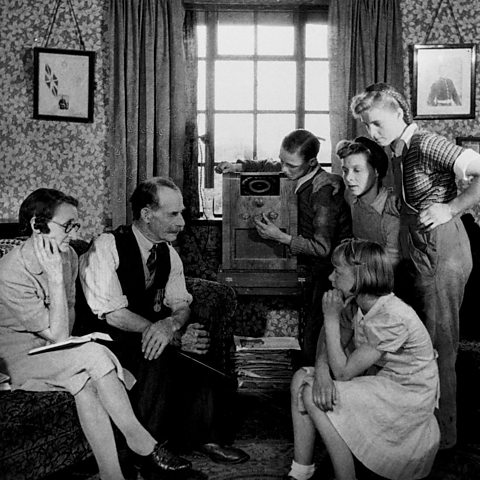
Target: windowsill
pixel 206 221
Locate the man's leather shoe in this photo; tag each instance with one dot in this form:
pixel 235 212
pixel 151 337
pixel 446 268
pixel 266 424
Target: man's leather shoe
pixel 164 461
pixel 223 454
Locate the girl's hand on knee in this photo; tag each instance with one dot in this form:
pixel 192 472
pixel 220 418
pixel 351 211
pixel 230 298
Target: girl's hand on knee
pixel 324 393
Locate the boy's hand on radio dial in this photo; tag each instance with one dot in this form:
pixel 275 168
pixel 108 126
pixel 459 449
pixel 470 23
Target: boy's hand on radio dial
pixel 268 230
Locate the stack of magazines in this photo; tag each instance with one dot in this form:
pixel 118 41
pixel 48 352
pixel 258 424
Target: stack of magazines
pixel 264 363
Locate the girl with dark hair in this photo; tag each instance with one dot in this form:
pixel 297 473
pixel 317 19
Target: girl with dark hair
pixel 37 296
pixel 380 406
pixel 375 214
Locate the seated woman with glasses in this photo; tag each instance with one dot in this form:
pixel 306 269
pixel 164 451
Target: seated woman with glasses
pixel 374 387
pixel 37 295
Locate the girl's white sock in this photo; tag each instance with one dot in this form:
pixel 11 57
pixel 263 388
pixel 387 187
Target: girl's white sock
pixel 301 472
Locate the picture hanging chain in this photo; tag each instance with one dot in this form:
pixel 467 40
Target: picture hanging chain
pixel 449 5
pixel 54 17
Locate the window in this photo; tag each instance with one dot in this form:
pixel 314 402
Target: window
pixel 260 75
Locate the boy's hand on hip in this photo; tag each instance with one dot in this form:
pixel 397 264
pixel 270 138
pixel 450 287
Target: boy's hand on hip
pixel 435 215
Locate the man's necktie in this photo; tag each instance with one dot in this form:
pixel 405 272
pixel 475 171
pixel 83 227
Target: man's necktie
pixel 152 259
pixel 158 265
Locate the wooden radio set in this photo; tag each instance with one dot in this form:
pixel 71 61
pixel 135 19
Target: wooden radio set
pixel 251 264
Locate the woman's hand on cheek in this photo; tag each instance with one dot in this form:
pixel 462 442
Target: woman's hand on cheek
pixel 48 256
pixel 332 305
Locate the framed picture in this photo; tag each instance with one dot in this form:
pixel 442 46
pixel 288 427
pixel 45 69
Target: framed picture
pixel 443 81
pixel 469 142
pixel 63 85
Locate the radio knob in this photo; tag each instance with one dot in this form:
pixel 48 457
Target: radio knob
pixel 245 216
pixel 259 202
pixel 273 215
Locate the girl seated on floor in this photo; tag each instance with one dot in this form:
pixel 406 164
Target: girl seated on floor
pixel 379 405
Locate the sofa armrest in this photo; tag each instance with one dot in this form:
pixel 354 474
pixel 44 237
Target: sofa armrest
pixel 214 305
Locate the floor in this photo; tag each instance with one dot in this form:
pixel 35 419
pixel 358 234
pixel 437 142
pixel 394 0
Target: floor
pixel 263 430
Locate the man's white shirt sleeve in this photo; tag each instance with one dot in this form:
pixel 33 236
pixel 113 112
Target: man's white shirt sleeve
pixel 176 295
pixel 98 274
pixel 102 288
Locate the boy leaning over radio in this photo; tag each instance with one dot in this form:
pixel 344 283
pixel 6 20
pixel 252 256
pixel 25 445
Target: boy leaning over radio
pixel 323 221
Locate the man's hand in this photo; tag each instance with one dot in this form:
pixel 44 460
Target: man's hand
pixel 227 167
pixel 268 230
pixel 195 339
pixel 324 393
pixel 156 337
pixel 435 215
pixel 326 178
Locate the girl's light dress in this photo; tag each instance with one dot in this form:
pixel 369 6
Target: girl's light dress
pixel 387 419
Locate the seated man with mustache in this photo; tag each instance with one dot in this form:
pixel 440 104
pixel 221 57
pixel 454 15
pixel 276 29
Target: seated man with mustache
pixel 133 281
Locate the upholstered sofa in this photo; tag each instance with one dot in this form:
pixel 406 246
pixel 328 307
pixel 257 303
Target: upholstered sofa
pixel 40 432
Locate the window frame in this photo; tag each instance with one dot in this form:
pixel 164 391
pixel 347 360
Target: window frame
pixel 301 16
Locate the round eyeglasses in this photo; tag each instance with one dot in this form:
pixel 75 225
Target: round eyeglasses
pixel 69 226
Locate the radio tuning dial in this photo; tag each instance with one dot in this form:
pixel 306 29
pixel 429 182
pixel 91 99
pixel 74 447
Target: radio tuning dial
pixel 273 215
pixel 259 202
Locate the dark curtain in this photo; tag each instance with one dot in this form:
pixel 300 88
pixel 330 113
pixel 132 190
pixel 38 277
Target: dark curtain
pixel 190 161
pixel 149 104
pixel 365 46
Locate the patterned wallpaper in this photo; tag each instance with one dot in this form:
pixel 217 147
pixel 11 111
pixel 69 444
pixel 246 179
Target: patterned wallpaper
pixel 417 18
pixel 69 156
pixel 460 26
